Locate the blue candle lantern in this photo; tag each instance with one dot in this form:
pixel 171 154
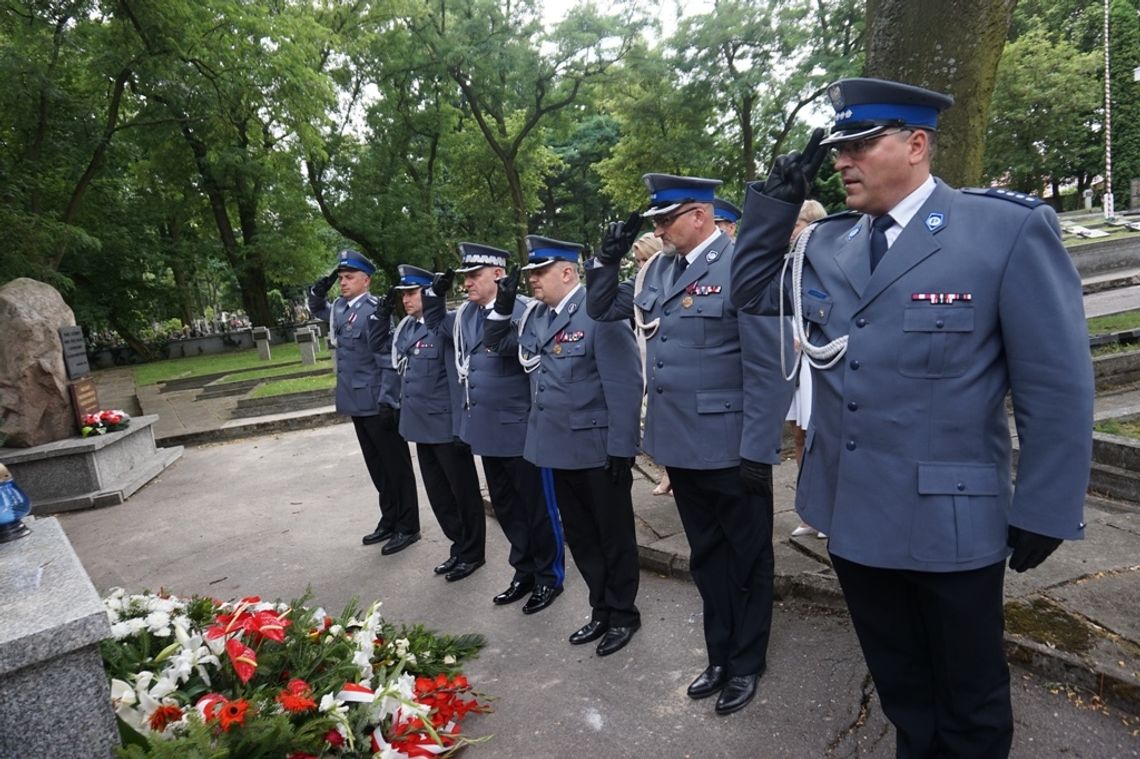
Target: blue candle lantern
pixel 14 506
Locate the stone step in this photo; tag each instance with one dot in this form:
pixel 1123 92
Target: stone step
pixel 1121 486
pixel 251 407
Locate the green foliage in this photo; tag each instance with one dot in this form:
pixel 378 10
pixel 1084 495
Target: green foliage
pixel 1114 322
pixel 1124 21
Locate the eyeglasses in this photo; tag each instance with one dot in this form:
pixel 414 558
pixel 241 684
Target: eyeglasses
pixel 659 223
pixel 859 148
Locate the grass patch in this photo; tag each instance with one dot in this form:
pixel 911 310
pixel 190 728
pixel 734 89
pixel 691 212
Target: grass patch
pixel 277 370
pixel 1122 427
pixel 298 385
pixel 1113 348
pixel 178 368
pixel 1114 322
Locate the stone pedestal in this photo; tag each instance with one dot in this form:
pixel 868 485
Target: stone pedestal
pixel 55 700
pixel 306 342
pixel 261 337
pixel 81 473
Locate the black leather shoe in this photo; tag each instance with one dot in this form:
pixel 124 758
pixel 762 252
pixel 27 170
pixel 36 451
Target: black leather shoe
pixel 588 632
pixel 379 535
pixel 542 597
pixel 516 591
pixel 736 694
pixel 447 566
pixel 462 569
pixel 615 639
pixel 708 682
pixel 399 542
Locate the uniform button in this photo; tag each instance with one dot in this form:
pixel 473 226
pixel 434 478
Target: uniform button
pixel 660 389
pixel 664 338
pixel 728 404
pixel 668 311
pixel 860 322
pixel 539 406
pixel 851 445
pixel 660 364
pixel 940 324
pixel 854 364
pixel 700 309
pixel 961 486
pixel 541 388
pixel 852 406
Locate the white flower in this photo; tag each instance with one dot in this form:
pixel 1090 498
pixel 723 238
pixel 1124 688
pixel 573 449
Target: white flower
pixel 411 659
pixel 158 622
pixel 449 659
pixel 330 704
pixel 120 630
pixel 363 662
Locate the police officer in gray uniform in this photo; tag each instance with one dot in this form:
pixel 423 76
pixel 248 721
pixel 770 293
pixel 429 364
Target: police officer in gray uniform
pixel 586 387
pixel 495 396
pixel 927 306
pixel 694 423
pixel 368 390
pixel 424 359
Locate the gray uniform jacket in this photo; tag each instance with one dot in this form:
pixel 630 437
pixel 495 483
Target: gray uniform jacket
pixel 586 402
pixel 697 397
pixel 365 377
pixel 493 407
pixel 907 456
pixel 425 361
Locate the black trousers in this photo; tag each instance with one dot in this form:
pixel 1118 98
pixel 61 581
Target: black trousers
pixel 515 487
pixel 730 537
pixel 597 514
pixel 933 643
pixel 448 472
pixel 390 467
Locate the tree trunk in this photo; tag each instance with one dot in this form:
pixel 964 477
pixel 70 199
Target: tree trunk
pixel 518 205
pixel 950 46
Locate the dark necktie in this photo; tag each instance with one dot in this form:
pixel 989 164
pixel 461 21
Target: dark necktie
pixel 679 267
pixel 879 229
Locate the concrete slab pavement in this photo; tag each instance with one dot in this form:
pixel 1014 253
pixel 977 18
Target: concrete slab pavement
pixel 276 513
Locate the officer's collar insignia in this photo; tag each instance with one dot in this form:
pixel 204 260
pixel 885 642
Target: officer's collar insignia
pixel 572 308
pixel 854 231
pixel 711 256
pixel 934 221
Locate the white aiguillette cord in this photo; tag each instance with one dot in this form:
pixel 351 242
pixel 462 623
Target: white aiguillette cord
pixel 817 356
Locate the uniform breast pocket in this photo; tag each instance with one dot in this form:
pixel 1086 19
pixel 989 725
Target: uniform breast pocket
pixel 646 299
pixel 816 309
pixel 936 341
pixel 570 361
pixel 702 323
pixel 960 515
pixel 426 352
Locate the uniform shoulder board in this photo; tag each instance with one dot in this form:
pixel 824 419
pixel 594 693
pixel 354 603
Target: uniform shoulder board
pixel 1029 201
pixel 845 214
pixel 372 299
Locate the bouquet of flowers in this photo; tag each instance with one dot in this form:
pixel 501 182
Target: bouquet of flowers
pixel 199 677
pixel 102 422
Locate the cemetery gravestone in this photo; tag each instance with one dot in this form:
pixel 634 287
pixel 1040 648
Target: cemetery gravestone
pixel 306 342
pixel 261 337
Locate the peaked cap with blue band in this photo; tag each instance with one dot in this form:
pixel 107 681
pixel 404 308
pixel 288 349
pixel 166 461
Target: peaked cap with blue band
pixel 723 210
pixel 412 277
pixel 474 256
pixel 351 259
pixel 668 191
pixel 543 251
pixel 866 107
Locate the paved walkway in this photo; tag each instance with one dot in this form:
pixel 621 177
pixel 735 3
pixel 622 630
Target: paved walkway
pixel 1073 618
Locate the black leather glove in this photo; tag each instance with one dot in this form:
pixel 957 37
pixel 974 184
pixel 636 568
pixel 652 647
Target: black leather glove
pixel 389 419
pixel 792 174
pixel 441 282
pixel 387 304
pixel 620 469
pixel 1029 548
pixel 322 285
pixel 508 291
pixel 757 476
pixel 618 239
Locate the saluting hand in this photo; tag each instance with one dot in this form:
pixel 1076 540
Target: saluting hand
pixel 441 283
pixel 508 291
pixel 322 285
pixel 387 304
pixel 792 174
pixel 618 239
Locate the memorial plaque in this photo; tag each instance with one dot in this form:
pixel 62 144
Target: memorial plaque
pixel 74 352
pixel 84 398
